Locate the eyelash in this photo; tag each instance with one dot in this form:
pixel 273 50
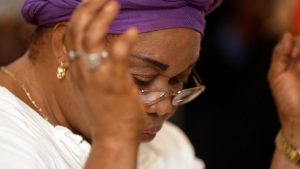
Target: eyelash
pixel 141 83
pixel 145 83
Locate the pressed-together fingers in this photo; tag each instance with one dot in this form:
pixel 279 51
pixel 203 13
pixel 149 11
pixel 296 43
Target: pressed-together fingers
pixel 123 45
pixel 93 37
pixel 81 19
pixel 296 49
pixel 106 90
pixel 116 67
pixel 295 61
pixel 281 56
pixel 87 28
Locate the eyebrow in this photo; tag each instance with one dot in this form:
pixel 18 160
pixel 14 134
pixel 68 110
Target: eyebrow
pixel 157 64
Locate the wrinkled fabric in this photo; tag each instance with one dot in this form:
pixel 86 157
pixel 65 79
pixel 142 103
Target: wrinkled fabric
pixel 27 141
pixel 146 15
pixel 48 12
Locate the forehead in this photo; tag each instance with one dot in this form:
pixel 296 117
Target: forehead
pixel 178 48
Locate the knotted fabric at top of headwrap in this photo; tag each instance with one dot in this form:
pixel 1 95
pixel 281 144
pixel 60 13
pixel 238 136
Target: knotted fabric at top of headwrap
pixel 146 15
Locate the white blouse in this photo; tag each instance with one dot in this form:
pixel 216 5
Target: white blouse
pixel 28 141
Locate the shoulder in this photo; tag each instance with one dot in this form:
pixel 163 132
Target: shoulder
pixel 28 139
pixel 172 144
pixel 18 146
pixel 15 114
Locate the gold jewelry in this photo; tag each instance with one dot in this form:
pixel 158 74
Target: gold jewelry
pixel 61 71
pixel 289 150
pixel 22 85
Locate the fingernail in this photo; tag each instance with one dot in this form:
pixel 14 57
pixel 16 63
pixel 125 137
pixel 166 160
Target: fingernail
pixel 133 31
pixel 110 6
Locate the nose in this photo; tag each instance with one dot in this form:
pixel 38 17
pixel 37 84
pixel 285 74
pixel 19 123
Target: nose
pixel 163 108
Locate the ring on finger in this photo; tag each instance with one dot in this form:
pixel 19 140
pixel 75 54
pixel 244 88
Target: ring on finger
pixel 73 55
pixel 93 60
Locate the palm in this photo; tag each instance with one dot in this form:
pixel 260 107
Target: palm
pixel 286 92
pixel 284 78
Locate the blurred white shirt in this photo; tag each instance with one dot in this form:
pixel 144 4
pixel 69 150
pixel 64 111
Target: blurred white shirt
pixel 28 141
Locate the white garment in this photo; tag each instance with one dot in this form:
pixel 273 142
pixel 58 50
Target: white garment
pixel 27 141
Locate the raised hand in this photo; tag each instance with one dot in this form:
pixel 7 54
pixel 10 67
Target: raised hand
pixel 113 108
pixel 284 79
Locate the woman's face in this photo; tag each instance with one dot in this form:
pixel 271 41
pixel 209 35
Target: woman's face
pixel 163 60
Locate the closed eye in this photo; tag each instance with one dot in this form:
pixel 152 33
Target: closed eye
pixel 142 83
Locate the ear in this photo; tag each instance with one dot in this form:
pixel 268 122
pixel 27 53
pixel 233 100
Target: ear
pixel 58 43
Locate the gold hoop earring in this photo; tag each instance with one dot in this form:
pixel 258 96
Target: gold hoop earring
pixel 61 71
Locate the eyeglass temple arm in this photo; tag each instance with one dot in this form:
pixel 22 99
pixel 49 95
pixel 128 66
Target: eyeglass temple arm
pixel 196 77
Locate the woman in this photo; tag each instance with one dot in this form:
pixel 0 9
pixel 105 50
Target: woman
pixel 93 94
pixel 75 78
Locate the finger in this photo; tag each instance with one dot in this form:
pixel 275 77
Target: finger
pixel 123 46
pixel 80 73
pixel 281 55
pixel 78 23
pixel 295 62
pixel 81 18
pixel 116 68
pixel 121 50
pixel 99 26
pixel 296 49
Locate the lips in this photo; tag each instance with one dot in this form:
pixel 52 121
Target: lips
pixel 150 133
pixel 153 129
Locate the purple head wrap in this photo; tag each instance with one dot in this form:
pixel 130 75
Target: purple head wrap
pixel 146 15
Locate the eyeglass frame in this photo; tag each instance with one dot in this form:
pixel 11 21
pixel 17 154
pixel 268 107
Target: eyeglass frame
pixel 196 79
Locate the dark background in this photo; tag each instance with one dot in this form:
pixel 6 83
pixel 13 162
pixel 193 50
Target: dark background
pixel 234 123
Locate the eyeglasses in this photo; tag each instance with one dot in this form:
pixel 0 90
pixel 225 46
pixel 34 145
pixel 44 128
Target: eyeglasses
pixel 150 97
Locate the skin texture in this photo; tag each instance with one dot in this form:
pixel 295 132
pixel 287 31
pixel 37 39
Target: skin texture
pixel 85 101
pixel 177 50
pixel 103 105
pixel 97 104
pixel 284 81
